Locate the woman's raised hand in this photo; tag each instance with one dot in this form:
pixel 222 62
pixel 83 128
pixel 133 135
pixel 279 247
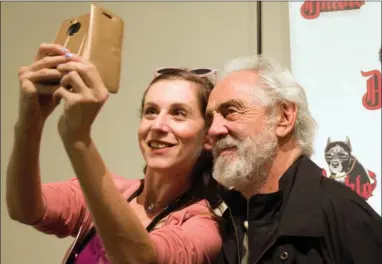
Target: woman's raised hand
pixel 36 102
pixel 84 94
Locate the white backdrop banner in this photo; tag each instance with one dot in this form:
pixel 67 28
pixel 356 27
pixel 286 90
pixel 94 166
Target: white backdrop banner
pixel 335 56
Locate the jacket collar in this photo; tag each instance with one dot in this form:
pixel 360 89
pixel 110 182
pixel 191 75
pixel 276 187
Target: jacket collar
pixel 301 210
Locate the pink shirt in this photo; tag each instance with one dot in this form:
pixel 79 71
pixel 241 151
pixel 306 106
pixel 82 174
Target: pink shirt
pixel 188 236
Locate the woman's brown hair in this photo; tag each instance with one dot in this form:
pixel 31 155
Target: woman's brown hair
pixel 204 84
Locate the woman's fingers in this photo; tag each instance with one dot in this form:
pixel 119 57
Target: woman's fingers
pixel 74 82
pixel 63 93
pixel 47 49
pixel 87 71
pixel 44 81
pixel 48 62
pixel 43 70
pixel 44 75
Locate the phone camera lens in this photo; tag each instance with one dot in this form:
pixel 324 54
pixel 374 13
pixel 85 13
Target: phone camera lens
pixel 73 29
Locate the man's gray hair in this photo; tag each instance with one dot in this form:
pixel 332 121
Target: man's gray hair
pixel 280 86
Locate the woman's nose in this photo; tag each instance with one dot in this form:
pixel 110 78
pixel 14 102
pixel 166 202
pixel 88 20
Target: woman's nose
pixel 161 123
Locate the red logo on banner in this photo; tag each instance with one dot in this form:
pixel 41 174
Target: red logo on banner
pixel 363 190
pixel 345 168
pixel 372 99
pixel 312 9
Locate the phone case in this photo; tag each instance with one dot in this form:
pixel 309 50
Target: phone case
pixel 98 37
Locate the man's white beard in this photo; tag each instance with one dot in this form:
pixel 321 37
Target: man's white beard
pixel 244 167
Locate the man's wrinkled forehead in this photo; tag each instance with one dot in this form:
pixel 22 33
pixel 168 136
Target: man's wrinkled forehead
pixel 240 77
pixel 240 85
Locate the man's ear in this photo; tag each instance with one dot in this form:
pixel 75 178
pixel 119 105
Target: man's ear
pixel 207 143
pixel 286 119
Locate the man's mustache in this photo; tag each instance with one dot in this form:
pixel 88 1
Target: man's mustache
pixel 224 143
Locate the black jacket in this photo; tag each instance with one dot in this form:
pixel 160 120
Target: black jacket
pixel 322 221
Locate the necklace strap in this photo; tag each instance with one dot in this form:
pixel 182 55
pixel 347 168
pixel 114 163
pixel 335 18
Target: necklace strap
pixel 181 202
pixel 92 231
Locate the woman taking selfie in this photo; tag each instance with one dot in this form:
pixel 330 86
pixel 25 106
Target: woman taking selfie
pixel 166 217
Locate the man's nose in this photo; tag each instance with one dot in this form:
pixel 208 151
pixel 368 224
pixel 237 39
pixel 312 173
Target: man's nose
pixel 217 129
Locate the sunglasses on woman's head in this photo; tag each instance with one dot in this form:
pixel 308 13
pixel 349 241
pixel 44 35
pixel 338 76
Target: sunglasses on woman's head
pixel 201 72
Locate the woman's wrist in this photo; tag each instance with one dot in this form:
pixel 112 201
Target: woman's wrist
pixel 31 128
pixel 78 141
pixel 28 133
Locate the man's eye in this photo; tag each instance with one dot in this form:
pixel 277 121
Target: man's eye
pixel 231 110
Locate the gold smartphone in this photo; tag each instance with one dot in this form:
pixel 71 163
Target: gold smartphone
pixel 98 37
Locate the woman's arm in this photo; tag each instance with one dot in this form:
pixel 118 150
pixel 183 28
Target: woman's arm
pixel 65 210
pixel 123 235
pixel 23 185
pixel 24 195
pixel 190 236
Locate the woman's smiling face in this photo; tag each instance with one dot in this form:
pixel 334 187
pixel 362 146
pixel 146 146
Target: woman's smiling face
pixel 172 128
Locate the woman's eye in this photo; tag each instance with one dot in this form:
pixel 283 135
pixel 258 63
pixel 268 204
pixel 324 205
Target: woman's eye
pixel 179 112
pixel 150 111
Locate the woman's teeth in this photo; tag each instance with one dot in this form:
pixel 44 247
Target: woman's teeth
pixel 157 145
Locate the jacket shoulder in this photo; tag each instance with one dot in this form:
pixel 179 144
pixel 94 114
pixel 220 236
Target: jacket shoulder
pixel 352 223
pixel 340 198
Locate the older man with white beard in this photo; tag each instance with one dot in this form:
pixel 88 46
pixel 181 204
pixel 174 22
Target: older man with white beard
pixel 280 207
